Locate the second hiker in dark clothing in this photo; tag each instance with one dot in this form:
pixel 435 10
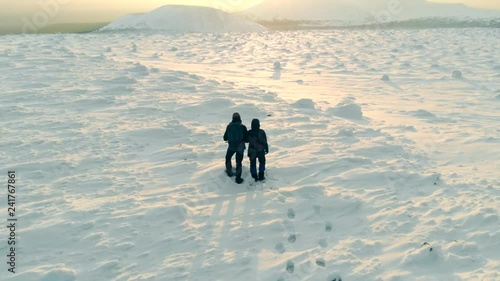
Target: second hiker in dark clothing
pixel 235 136
pixel 257 149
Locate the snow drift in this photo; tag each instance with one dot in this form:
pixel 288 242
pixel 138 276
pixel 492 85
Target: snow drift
pixel 179 18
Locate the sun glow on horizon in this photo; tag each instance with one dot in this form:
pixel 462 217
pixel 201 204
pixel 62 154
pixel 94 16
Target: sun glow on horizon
pixel 14 14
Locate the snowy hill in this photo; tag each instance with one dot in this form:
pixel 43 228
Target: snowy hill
pixel 362 10
pixel 179 18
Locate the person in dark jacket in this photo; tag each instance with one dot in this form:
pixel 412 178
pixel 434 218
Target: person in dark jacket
pixel 235 136
pixel 257 149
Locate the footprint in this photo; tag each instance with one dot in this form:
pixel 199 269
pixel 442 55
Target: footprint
pixel 323 243
pixel 291 214
pixel 290 267
pixel 328 227
pixel 334 277
pixel 321 262
pixel 292 238
pixel 280 248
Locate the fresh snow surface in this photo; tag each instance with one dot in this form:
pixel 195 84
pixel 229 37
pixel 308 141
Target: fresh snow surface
pixel 178 18
pixel 116 139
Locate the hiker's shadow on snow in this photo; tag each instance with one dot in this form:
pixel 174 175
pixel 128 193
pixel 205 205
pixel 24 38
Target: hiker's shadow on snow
pixel 394 85
pixel 234 213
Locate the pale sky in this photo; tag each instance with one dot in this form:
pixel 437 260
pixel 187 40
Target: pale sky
pixel 13 11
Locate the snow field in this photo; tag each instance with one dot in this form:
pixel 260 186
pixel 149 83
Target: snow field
pixel 119 150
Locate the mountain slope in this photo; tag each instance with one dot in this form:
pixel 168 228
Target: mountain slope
pixel 362 10
pixel 179 18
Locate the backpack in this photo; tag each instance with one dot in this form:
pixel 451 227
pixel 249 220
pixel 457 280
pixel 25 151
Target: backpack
pixel 234 133
pixel 256 140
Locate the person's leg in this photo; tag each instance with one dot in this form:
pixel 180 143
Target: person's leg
pixel 229 167
pixel 262 165
pixel 252 156
pixel 239 166
pixel 253 167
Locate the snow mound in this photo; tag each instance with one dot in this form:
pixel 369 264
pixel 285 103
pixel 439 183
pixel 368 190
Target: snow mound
pixel 347 109
pixel 422 113
pixel 178 18
pixel 56 272
pixel 60 274
pixel 457 74
pixel 304 104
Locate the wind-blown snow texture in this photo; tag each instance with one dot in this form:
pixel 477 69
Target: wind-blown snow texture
pixel 179 18
pixel 117 142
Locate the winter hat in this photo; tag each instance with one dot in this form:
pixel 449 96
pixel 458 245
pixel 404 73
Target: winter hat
pixel 255 124
pixel 236 117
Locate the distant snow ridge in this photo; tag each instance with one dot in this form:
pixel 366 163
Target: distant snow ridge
pixel 177 18
pixel 365 11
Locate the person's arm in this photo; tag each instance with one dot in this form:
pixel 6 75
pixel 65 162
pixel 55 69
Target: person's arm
pixel 225 134
pixel 266 145
pixel 245 134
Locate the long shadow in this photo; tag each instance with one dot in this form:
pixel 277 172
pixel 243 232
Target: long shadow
pixel 225 215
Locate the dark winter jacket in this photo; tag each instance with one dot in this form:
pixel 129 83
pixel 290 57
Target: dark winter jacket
pixel 256 138
pixel 240 145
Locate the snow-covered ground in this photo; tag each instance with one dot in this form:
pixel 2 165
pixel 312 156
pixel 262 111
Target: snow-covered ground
pixel 181 18
pixel 382 166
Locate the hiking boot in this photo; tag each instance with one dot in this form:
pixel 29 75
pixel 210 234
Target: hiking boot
pixel 229 173
pixel 261 176
pixel 239 180
pixel 256 178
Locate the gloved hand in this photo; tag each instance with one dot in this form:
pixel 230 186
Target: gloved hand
pixel 266 150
